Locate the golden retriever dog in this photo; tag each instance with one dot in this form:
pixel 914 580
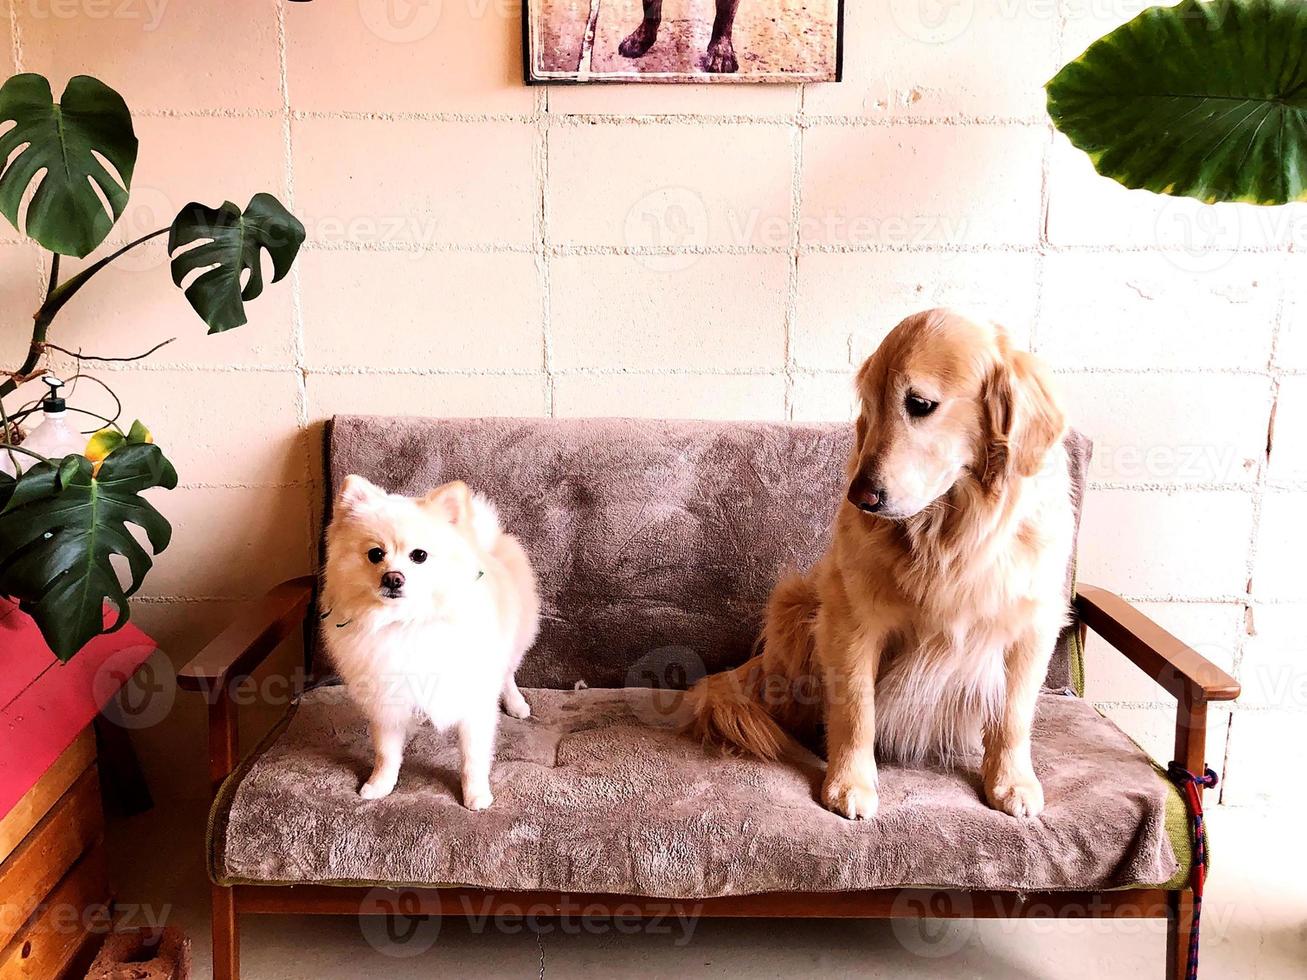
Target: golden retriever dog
pixel 925 631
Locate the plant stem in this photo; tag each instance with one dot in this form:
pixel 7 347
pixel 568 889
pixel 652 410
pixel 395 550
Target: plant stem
pixel 26 452
pixel 40 323
pixel 8 429
pixel 94 357
pixel 58 297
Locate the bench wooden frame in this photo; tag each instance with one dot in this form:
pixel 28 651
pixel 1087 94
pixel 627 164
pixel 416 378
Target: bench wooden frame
pixel 231 657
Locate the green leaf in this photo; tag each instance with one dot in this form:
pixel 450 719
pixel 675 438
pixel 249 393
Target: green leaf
pixel 58 530
pixel 139 433
pixel 62 139
pixel 231 241
pixel 1203 99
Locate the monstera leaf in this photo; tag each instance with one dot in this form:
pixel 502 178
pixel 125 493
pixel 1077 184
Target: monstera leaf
pixel 63 139
pixel 1203 99
pixel 59 527
pixel 231 241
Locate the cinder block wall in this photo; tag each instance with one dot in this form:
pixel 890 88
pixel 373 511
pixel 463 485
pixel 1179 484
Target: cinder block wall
pixel 480 247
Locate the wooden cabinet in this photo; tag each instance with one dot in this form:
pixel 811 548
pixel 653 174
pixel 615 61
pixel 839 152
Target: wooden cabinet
pixel 54 887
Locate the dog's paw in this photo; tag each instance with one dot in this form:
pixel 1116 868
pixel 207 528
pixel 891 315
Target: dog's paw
pixel 639 41
pixel 377 788
pixel 850 796
pixel 1018 795
pixel 721 58
pixel 477 797
pixel 518 708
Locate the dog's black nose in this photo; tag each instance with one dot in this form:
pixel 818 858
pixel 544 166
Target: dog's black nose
pixel 392 581
pixel 866 496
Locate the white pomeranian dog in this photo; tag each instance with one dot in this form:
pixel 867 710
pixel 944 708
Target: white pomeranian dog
pixel 429 609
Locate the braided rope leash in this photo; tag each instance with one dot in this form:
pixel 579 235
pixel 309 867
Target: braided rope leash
pixel 1192 786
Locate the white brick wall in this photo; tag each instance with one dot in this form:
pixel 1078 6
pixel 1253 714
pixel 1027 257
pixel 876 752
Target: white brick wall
pixel 480 247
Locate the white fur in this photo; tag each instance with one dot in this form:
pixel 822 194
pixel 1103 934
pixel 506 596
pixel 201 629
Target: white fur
pixel 447 649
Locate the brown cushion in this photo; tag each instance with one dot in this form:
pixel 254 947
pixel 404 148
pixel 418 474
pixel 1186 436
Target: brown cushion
pixel 599 793
pixel 656 542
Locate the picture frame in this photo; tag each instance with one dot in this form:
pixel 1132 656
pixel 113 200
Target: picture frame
pixel 693 41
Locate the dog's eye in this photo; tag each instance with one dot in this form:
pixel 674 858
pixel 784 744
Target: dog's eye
pixel 417 556
pixel 919 407
pixel 377 555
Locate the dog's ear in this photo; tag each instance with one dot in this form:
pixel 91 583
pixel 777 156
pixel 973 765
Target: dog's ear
pixel 453 501
pixel 357 493
pixel 1022 417
pixel 860 385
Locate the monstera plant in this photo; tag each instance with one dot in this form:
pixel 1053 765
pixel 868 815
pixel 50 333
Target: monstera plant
pixel 1204 99
pixel 63 521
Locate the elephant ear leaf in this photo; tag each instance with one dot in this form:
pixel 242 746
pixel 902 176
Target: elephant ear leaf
pixel 68 141
pixel 60 527
pixel 1202 99
pixel 230 242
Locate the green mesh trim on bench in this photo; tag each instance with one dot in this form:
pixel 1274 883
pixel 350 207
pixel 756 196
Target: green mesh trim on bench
pixel 1076 648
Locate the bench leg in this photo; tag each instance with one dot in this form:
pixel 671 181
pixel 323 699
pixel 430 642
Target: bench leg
pixel 1179 920
pixel 226 935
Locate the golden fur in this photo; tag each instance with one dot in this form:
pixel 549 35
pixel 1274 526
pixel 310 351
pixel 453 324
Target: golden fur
pixel 926 629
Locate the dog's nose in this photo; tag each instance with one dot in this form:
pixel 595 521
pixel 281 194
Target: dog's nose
pixel 865 495
pixel 394 581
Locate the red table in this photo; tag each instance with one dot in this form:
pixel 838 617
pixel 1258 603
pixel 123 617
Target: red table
pixel 45 705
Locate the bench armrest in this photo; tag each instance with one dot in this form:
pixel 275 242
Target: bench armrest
pixel 1180 669
pixel 243 645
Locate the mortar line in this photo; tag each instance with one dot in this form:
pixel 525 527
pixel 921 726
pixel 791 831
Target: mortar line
pixel 573 119
pixel 796 221
pixel 1263 478
pixel 805 248
pixel 16 50
pixel 296 292
pixel 843 371
pixel 1045 163
pixel 15 36
pixel 230 112
pixel 543 254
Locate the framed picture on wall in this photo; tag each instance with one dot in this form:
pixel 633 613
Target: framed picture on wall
pixel 683 40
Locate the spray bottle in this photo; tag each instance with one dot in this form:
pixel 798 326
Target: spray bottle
pixel 54 438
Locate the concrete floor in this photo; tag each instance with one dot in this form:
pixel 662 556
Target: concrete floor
pixel 1254 926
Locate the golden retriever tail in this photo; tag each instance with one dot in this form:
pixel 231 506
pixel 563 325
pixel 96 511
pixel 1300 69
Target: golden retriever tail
pixel 759 706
